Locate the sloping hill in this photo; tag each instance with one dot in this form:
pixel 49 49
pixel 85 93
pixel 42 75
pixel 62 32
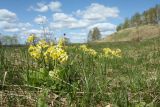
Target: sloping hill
pixel 133 34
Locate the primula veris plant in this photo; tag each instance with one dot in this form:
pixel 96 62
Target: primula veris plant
pixel 50 58
pixel 44 50
pixel 56 53
pixel 31 39
pixel 88 50
pixel 109 53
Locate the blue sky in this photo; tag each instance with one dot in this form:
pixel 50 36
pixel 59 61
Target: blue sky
pixel 73 17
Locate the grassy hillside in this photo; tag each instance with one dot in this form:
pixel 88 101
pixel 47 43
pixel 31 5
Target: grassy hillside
pixel 133 34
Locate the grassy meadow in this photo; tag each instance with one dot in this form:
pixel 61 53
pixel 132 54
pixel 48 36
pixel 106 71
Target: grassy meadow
pixel 83 80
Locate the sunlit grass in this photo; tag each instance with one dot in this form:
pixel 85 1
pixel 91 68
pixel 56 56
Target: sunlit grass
pixel 84 79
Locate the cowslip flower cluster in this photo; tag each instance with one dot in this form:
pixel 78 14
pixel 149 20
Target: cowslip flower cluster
pixel 48 51
pixel 56 53
pixel 112 53
pixel 42 44
pixel 31 38
pixel 88 50
pixel 35 52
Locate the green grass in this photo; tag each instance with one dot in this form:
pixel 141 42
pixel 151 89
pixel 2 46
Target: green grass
pixel 131 81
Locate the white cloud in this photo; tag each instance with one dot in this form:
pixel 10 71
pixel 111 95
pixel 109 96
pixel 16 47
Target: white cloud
pixel 55 6
pixel 77 37
pixel 98 12
pixel 62 21
pixel 63 17
pixel 9 22
pixel 88 18
pixel 23 29
pixel 6 25
pixel 40 19
pixel 79 34
pixel 6 15
pixel 79 24
pixel 13 27
pixel 12 30
pixel 56 26
pixel 41 7
pixel 24 26
pixel 67 25
pixel 27 32
pixel 103 26
pixel 37 31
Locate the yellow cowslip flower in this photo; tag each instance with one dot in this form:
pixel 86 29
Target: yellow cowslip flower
pixel 38 49
pixel 42 44
pixel 47 51
pixel 83 47
pixel 88 50
pixel 31 38
pixel 112 53
pixel 34 51
pixel 35 54
pixel 31 48
pixel 47 55
pixel 63 57
pixel 56 53
pixel 118 53
pixel 91 52
pixel 107 50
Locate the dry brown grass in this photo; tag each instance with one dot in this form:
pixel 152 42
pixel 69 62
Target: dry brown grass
pixel 134 34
